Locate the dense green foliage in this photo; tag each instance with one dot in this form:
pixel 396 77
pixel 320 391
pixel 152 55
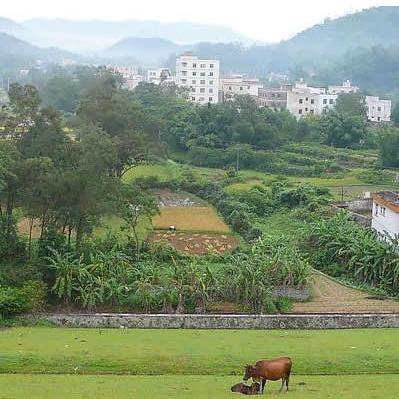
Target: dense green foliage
pixel 341 247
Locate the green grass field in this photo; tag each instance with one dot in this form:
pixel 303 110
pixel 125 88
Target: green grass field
pixel 47 363
pixel 196 387
pixel 202 352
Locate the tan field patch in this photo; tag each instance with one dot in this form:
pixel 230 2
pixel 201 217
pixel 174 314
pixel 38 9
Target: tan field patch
pixel 23 227
pixel 190 219
pixel 198 243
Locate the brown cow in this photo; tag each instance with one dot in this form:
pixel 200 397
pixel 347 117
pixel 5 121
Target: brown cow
pixel 273 370
pixel 253 389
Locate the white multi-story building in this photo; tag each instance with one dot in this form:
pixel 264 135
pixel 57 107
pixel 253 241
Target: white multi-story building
pixel 200 77
pixel 160 76
pixel 378 110
pixel 303 100
pixel 237 85
pixel 386 213
pixel 346 88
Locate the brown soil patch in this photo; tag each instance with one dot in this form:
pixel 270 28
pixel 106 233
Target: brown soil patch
pixel 197 243
pixel 332 297
pixel 23 227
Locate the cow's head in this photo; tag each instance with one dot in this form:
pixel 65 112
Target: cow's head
pixel 249 372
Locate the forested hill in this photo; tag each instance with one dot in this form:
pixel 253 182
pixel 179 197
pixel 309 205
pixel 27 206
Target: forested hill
pixel 375 26
pixel 16 53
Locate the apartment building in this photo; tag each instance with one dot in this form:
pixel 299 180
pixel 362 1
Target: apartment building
pixel 378 110
pixel 200 77
pixel 237 85
pixel 131 77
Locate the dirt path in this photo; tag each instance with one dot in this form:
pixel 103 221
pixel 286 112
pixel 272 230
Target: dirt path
pixel 332 297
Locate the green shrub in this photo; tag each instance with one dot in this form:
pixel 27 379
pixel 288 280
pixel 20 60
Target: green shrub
pixel 36 292
pixel 284 305
pixel 13 301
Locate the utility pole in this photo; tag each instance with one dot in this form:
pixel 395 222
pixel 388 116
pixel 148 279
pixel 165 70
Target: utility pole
pixel 238 161
pixel 342 194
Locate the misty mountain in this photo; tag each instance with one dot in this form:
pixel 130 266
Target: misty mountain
pixel 368 28
pixel 95 35
pixel 321 45
pixel 16 53
pixel 148 51
pixel 9 26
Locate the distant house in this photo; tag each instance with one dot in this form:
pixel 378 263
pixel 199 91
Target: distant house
pixel 238 85
pixel 378 110
pixel 386 213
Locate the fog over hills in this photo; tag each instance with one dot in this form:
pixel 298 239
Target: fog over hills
pixel 96 35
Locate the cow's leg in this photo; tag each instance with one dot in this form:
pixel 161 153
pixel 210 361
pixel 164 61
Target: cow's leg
pixel 287 380
pixel 262 385
pixel 282 383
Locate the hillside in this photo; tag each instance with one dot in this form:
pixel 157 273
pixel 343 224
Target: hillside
pixel 375 26
pixel 9 26
pixel 16 53
pixel 147 50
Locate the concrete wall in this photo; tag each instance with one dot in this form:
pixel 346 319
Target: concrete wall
pixel 209 321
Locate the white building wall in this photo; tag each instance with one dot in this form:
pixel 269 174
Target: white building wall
pixel 304 103
pixel 378 110
pixel 200 77
pixel 385 221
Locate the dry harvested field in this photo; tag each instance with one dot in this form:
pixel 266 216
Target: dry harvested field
pixel 332 297
pixel 197 243
pixel 190 219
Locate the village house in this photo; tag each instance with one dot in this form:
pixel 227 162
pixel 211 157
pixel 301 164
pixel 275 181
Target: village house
pixel 378 110
pixel 238 85
pixel 385 219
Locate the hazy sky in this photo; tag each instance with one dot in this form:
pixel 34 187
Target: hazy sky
pixel 268 20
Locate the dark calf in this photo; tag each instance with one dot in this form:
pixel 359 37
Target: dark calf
pixel 253 389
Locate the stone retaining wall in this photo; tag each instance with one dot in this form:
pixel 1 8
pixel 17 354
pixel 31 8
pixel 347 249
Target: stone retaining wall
pixel 209 321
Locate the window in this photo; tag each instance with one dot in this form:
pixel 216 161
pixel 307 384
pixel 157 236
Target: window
pixel 241 88
pixel 331 101
pixel 201 99
pixel 210 65
pixel 376 210
pixel 203 65
pixel 193 89
pixel 230 88
pixel 312 101
pixel 379 108
pixel 202 74
pixel 272 95
pixel 184 64
pixel 301 101
pixel 324 101
pixel 383 210
pixel 194 65
pixel 210 99
pixel 210 91
pixel 194 73
pixel 184 81
pixel 300 112
pixel 211 82
pixel 379 119
pixel 184 73
pixel 202 82
pixel 192 98
pixel 306 110
pixel 194 82
pixel 202 90
pixel 278 95
pixel 210 73
pixel 307 98
pixel 312 111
